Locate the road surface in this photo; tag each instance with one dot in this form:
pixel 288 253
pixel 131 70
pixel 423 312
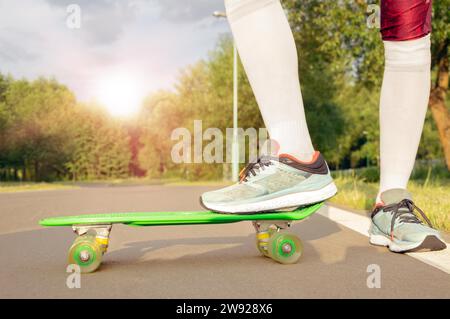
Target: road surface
pixel 200 261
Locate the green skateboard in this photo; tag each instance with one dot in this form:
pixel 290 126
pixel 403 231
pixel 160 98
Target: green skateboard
pixel 94 230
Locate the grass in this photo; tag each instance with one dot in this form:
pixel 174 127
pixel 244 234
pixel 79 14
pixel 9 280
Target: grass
pixel 14 187
pixel 433 197
pixel 145 181
pixel 198 183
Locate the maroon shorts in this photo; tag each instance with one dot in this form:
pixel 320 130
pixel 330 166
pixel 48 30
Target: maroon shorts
pixel 405 19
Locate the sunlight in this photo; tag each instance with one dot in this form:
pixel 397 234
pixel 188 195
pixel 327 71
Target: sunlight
pixel 121 95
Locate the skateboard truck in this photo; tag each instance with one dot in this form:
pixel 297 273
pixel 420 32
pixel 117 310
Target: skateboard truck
pixel 100 232
pixel 264 231
pixel 264 225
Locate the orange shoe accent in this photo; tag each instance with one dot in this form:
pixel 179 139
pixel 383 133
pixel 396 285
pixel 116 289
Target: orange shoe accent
pixel 315 156
pixel 376 205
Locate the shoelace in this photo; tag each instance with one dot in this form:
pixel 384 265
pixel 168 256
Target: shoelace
pixel 252 169
pixel 405 216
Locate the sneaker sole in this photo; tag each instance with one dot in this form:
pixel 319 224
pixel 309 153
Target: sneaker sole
pixel 271 205
pixel 430 243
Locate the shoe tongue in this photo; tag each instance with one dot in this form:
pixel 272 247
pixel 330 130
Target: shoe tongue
pixel 394 196
pixel 270 148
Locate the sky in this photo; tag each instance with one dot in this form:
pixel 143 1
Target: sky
pixel 145 42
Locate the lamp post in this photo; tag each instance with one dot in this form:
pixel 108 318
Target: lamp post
pixel 235 142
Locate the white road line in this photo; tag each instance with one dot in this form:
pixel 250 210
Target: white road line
pixel 438 259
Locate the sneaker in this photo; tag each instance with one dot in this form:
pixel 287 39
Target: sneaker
pixel 274 183
pixel 396 225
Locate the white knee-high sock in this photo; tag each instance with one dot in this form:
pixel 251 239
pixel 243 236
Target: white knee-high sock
pixel 404 100
pixel 267 50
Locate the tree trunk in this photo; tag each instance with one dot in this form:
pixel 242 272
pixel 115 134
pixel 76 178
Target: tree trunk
pixel 25 173
pixel 437 104
pixel 36 171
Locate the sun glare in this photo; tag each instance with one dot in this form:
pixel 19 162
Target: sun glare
pixel 120 95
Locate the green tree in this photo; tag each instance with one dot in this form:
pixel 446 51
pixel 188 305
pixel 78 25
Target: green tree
pixel 33 137
pixel 99 145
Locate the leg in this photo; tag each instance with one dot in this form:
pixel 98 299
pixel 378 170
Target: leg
pixel 298 176
pixel 406 87
pixel 267 50
pixel 405 27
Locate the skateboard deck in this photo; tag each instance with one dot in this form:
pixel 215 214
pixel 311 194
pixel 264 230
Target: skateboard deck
pixel 94 230
pixel 176 218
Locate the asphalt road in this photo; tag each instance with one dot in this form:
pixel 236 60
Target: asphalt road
pixel 202 261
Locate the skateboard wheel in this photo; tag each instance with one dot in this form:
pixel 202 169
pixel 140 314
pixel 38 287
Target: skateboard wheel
pixel 86 253
pixel 285 248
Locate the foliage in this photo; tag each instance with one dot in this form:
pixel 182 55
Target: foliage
pixel 45 134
